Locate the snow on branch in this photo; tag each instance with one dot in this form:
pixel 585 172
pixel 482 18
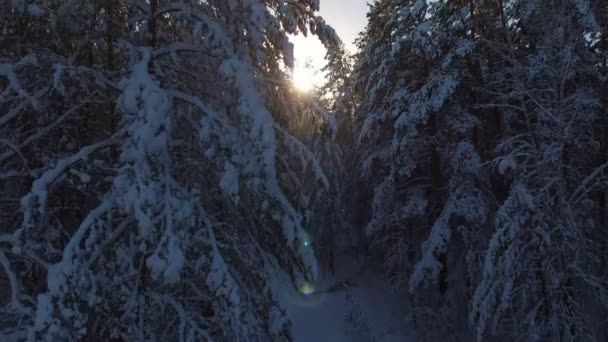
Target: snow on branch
pixel 9 71
pixel 34 203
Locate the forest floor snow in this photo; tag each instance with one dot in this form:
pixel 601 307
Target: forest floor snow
pixel 353 305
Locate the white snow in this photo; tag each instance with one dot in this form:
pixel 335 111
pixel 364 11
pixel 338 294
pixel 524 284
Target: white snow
pixel 379 313
pixel 229 183
pixel 506 164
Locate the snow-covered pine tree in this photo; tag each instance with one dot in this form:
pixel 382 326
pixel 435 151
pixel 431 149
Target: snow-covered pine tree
pixel 375 80
pixel 468 105
pixel 417 133
pixel 599 45
pixel 542 272
pixel 333 226
pixel 140 145
pixel 316 127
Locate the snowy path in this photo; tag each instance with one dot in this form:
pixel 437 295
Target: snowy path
pixel 379 314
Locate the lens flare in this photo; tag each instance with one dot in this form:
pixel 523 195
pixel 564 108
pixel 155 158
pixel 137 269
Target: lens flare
pixel 306 289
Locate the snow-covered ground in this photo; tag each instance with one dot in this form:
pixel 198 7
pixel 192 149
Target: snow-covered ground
pixel 354 305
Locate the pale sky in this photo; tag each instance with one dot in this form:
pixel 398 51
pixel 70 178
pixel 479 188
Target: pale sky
pixel 347 17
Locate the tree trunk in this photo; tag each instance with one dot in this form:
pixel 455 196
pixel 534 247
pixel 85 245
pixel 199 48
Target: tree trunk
pixel 437 185
pixel 110 34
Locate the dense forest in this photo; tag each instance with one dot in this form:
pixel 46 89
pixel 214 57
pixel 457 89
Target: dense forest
pixel 161 179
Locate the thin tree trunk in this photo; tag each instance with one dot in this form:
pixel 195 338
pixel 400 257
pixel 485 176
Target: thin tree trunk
pixel 437 184
pixel 110 34
pixel 152 23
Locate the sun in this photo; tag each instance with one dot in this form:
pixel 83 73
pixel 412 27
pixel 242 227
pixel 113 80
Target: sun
pixel 303 79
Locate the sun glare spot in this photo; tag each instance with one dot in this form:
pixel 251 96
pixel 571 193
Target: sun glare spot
pixel 303 79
